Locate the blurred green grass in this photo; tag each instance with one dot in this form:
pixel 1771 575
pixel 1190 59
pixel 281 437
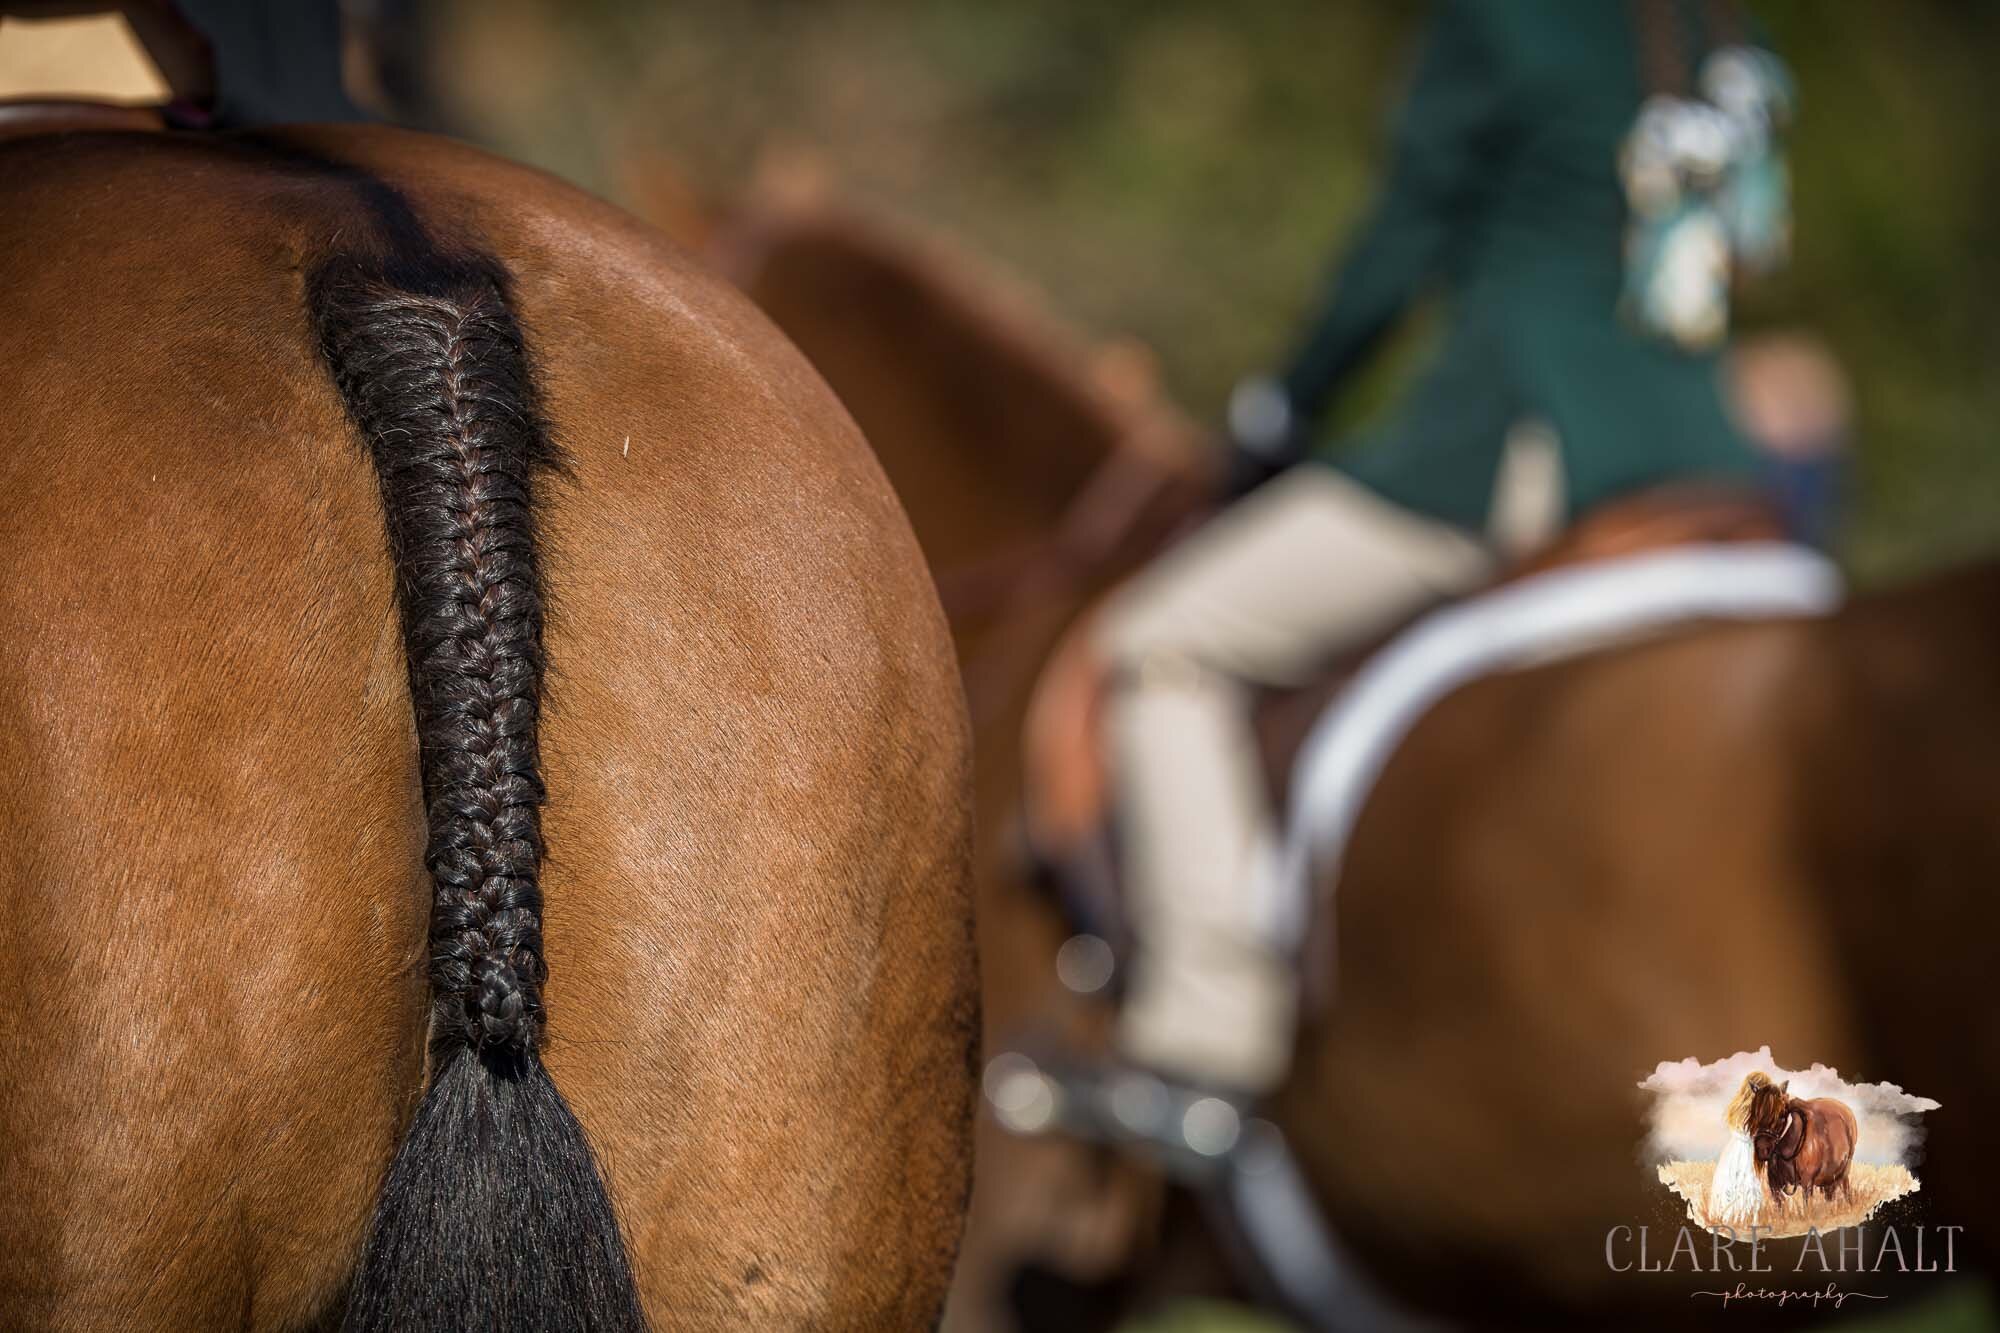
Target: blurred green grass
pixel 1184 172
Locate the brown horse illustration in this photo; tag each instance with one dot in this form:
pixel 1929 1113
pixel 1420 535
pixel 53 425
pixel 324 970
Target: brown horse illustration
pixel 378 513
pixel 1802 1145
pixel 1529 905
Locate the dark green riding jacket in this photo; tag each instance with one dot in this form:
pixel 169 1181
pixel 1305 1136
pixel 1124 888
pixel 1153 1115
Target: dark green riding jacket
pixel 1504 189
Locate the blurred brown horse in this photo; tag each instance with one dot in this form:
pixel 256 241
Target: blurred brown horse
pixel 1802 1144
pixel 226 364
pixel 1565 876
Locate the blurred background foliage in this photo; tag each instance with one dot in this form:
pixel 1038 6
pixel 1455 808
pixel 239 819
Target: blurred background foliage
pixel 1184 172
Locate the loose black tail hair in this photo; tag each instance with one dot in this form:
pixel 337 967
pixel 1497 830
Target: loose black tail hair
pixel 494 1215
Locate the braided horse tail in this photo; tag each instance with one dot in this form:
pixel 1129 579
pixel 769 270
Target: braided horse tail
pixel 494 1214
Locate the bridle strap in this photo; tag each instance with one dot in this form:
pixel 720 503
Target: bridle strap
pixel 1794 1116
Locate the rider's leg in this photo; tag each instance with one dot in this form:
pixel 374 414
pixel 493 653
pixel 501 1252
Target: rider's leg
pixel 1308 566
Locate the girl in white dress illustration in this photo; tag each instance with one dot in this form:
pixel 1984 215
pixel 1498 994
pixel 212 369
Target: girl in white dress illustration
pixel 1736 1193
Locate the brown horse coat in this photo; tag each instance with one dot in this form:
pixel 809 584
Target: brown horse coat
pixel 1802 1144
pixel 1565 876
pixel 761 993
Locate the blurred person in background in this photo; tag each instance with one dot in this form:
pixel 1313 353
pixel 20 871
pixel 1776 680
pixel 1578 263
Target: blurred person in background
pixel 1581 182
pixel 1789 395
pixel 217 64
pixel 278 62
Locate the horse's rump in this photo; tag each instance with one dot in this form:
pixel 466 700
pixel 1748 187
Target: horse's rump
pixel 216 875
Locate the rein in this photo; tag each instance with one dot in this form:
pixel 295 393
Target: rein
pixel 1093 526
pixel 1774 1137
pixel 1127 507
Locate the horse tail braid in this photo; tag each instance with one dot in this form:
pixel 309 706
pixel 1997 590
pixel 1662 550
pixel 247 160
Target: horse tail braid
pixel 494 1214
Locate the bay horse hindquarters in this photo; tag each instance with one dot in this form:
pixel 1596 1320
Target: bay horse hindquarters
pixel 759 981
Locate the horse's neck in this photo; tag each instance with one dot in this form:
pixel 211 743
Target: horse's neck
pixel 1792 1118
pixel 977 401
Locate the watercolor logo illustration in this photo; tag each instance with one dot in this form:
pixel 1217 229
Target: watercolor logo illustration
pixel 1746 1143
